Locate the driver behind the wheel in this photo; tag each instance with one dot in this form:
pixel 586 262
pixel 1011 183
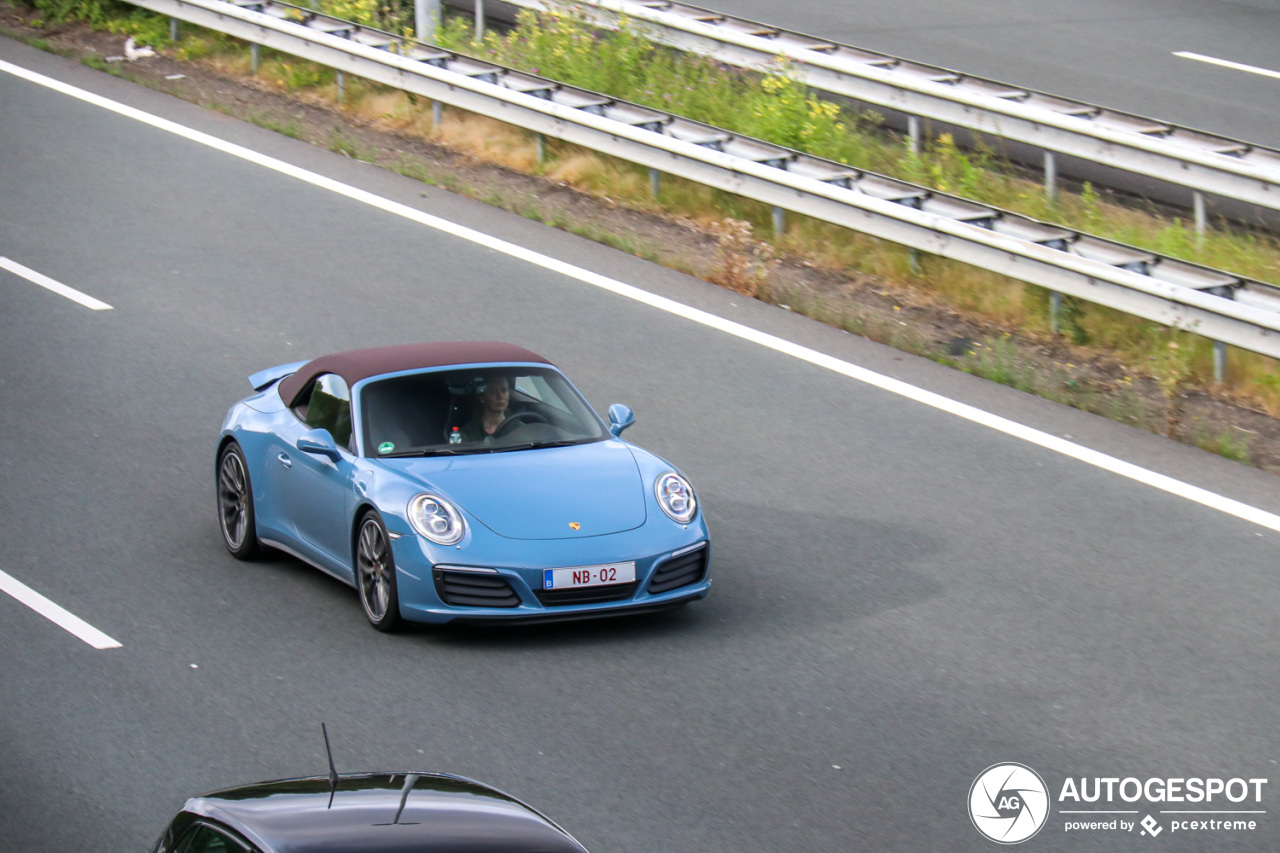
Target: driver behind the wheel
pixel 491 403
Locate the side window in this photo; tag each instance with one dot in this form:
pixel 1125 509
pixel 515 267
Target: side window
pixel 408 412
pixel 539 388
pixel 173 832
pixel 329 407
pixel 205 839
pixel 525 385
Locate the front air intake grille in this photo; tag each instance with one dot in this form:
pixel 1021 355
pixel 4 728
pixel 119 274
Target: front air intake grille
pixel 679 571
pixel 474 589
pixel 586 595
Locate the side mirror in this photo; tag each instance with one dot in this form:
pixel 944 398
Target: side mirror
pixel 319 442
pixel 620 417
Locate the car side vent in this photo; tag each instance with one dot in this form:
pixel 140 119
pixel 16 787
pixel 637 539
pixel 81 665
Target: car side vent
pixel 679 571
pixel 473 589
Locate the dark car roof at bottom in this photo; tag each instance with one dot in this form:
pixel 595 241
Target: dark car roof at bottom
pixel 441 814
pixel 354 365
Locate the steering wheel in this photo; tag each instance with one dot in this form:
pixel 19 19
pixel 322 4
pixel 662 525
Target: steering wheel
pixel 518 419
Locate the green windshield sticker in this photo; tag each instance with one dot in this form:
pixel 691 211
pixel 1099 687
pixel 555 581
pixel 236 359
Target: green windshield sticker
pixel 386 447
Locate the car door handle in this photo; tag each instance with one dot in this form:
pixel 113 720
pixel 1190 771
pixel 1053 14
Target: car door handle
pixel 285 460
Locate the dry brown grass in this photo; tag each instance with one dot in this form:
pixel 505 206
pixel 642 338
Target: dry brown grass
pixel 395 111
pixel 488 140
pixel 742 262
pixel 589 172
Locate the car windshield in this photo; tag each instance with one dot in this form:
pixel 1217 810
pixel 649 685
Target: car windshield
pixel 474 410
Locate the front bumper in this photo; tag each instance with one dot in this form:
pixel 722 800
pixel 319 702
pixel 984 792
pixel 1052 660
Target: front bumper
pixel 510 589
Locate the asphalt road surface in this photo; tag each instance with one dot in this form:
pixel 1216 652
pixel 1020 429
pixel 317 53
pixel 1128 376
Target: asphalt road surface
pixel 1114 53
pixel 902 597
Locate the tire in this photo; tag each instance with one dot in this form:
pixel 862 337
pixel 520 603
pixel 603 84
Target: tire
pixel 235 504
pixel 376 575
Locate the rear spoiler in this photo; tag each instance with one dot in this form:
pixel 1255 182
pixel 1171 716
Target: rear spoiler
pixel 263 379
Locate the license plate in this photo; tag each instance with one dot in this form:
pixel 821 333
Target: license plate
pixel 589 575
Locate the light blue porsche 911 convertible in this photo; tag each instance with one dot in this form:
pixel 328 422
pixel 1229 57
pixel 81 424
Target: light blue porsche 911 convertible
pixel 457 481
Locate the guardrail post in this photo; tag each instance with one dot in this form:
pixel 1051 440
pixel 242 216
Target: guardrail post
pixel 342 86
pixel 1055 312
pixel 479 20
pixel 779 221
pixel 1202 219
pixel 437 114
pixel 655 181
pixel 255 50
pixel 1219 362
pixel 1050 176
pixel 426 19
pixel 173 29
pixel 541 142
pixel 913 135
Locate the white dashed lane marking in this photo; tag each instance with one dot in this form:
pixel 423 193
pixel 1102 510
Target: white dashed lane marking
pixel 56 286
pixel 55 613
pixel 1227 63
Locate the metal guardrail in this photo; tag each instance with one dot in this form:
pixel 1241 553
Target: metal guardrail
pixel 1201 161
pixel 1219 305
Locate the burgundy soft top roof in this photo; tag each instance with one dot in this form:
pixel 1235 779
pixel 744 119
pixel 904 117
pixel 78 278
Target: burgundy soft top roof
pixel 354 365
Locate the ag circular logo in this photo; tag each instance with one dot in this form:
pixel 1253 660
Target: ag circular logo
pixel 1008 803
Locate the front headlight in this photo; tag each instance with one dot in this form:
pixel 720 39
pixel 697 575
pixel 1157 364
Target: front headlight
pixel 676 497
pixel 436 519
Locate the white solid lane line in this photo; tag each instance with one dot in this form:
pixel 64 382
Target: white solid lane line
pixel 55 613
pixel 963 410
pixel 56 286
pixel 1227 63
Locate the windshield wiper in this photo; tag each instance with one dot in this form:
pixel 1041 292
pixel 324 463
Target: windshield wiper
pixel 404 454
pixel 529 445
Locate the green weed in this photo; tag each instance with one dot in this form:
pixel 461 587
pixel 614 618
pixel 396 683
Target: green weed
pixel 389 16
pixel 999 361
pixel 287 127
pixel 341 143
pixel 298 74
pixel 99 64
pixel 201 44
pixel 413 168
pixel 1225 444
pixel 621 242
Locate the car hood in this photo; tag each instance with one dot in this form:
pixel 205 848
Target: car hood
pixel 543 493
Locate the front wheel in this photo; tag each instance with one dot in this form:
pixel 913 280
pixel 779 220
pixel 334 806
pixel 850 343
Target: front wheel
pixel 376 575
pixel 235 503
